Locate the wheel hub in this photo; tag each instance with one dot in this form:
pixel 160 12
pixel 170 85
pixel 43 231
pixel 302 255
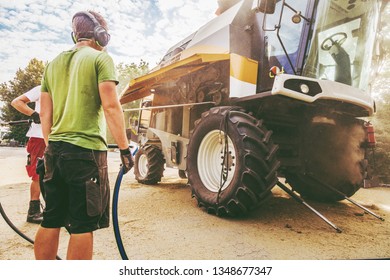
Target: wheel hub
pixel 216 161
pixel 143 165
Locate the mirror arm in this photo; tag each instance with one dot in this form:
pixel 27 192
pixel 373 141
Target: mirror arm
pixel 295 11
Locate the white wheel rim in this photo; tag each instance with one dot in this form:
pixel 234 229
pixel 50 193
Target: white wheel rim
pixel 143 166
pixel 211 160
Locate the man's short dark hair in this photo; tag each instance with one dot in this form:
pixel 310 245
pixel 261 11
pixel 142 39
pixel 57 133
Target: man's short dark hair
pixel 83 26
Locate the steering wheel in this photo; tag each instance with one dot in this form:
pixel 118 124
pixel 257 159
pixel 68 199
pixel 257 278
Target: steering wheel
pixel 337 38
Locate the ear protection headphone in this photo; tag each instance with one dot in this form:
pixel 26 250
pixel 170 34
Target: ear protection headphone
pixel 100 34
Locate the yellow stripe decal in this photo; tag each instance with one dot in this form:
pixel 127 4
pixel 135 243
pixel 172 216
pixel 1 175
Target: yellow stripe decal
pixel 243 68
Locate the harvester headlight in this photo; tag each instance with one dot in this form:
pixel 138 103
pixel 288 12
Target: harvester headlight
pixel 304 88
pixel 296 18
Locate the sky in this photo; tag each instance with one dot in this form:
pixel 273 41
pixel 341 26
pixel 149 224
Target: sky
pixel 140 29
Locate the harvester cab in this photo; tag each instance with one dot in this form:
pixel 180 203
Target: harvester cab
pixel 266 89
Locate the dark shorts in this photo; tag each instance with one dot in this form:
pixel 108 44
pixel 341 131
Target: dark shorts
pixel 76 188
pixel 35 148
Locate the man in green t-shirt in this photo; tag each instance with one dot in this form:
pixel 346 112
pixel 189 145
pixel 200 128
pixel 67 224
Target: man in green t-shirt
pixel 78 99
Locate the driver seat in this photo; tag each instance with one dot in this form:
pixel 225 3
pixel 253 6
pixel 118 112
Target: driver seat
pixel 343 64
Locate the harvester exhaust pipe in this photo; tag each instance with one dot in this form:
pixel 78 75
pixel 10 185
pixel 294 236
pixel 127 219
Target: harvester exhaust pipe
pixel 300 200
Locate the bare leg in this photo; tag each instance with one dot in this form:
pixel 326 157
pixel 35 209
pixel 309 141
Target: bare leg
pixel 80 246
pixel 46 243
pixel 34 190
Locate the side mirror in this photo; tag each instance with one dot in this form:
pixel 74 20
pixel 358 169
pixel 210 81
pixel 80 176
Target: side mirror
pixel 266 6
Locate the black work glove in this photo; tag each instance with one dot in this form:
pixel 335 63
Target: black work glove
pixel 127 159
pixel 35 117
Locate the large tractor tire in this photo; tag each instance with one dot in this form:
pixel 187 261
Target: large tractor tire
pixel 149 165
pixel 231 162
pixel 333 156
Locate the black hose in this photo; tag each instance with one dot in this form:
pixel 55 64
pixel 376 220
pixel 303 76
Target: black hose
pixel 8 221
pixel 115 214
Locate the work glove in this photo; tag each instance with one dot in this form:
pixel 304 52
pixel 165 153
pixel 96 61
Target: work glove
pixel 127 160
pixel 35 117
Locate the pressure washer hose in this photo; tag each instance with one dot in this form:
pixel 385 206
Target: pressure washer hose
pixel 8 221
pixel 115 214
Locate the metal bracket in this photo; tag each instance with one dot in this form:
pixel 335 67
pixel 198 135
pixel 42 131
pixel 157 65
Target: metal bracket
pixel 329 187
pixel 300 200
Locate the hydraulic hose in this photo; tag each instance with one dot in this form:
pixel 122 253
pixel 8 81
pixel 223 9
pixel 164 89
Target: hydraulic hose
pixel 115 214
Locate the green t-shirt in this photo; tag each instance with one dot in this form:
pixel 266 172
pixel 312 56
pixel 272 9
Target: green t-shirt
pixel 72 80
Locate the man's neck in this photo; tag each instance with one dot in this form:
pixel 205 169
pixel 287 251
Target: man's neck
pixel 88 43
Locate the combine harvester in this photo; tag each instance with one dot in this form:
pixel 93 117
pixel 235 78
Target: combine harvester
pixel 266 90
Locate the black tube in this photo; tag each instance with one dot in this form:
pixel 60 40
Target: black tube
pixel 8 221
pixel 20 122
pixel 115 214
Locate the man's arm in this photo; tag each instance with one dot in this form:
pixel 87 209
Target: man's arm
pixel 46 115
pixel 20 104
pixel 113 113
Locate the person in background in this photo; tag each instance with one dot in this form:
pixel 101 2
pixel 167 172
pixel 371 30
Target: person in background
pixel 79 96
pixel 35 148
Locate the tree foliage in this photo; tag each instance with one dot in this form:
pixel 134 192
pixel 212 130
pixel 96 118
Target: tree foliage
pixel 24 80
pixel 381 119
pixel 127 72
